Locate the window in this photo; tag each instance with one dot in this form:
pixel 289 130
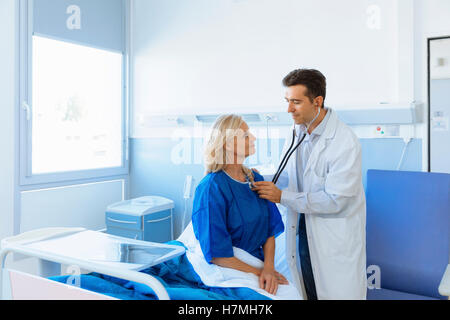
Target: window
pixel 77 95
pixel 73 90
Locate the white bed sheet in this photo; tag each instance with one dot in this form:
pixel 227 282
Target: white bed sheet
pixel 281 264
pixel 215 276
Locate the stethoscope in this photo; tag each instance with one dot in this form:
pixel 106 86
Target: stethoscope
pixel 290 151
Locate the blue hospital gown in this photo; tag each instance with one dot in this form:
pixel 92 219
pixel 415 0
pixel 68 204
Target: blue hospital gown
pixel 228 213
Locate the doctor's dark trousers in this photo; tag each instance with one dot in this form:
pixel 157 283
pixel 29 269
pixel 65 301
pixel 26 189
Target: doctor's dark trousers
pixel 305 260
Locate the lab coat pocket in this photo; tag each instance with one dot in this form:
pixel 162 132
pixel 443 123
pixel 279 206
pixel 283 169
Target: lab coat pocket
pixel 320 168
pixel 335 231
pixel 315 183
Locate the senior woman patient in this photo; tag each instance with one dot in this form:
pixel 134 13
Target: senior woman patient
pixel 227 213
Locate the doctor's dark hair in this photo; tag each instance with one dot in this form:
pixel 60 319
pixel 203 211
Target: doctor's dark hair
pixel 314 81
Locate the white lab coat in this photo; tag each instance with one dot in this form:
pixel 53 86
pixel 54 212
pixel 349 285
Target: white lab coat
pixel 335 229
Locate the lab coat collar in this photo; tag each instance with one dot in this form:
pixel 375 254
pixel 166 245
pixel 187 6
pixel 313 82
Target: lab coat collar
pixel 329 133
pixel 323 124
pixel 331 126
pixel 319 130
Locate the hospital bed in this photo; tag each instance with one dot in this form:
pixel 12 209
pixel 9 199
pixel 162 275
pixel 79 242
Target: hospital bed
pixel 93 251
pixel 85 250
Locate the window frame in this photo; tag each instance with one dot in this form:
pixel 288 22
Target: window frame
pixel 26 178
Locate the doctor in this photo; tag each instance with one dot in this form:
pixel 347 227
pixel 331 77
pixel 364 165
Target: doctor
pixel 325 193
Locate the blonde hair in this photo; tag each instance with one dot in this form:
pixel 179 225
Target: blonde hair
pixel 215 156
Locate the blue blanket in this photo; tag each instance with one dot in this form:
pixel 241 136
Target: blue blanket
pixel 176 275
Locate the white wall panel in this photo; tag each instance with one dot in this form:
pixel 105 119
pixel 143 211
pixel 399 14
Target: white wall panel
pixel 199 56
pixel 8 78
pixel 73 206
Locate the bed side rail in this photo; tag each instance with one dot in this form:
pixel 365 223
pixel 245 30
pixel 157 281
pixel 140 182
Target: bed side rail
pixel 23 286
pixel 129 275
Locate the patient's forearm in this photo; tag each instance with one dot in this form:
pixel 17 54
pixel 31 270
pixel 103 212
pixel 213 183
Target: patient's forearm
pixel 269 253
pixel 235 263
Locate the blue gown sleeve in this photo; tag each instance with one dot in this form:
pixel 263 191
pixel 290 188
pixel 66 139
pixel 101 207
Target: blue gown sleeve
pixel 276 226
pixel 209 222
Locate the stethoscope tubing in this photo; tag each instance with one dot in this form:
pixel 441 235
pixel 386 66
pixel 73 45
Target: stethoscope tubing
pixel 286 157
pixel 275 178
pixel 289 153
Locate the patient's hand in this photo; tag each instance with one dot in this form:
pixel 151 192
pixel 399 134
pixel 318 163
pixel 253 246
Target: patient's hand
pixel 269 279
pixel 281 279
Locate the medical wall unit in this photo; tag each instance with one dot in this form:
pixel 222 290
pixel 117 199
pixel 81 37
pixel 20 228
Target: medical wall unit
pixel 366 114
pixel 148 218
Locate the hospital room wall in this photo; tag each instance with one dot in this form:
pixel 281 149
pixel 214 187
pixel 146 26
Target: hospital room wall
pixel 429 20
pixel 150 168
pixel 8 78
pixel 245 47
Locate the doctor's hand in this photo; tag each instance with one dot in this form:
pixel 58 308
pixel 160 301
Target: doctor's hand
pixel 268 190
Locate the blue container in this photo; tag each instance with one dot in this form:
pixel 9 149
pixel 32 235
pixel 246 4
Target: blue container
pixel 146 218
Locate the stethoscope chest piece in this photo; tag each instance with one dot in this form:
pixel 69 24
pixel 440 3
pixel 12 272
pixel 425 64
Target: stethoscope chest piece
pixel 250 184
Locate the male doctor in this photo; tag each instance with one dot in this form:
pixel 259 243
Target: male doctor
pixel 325 193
